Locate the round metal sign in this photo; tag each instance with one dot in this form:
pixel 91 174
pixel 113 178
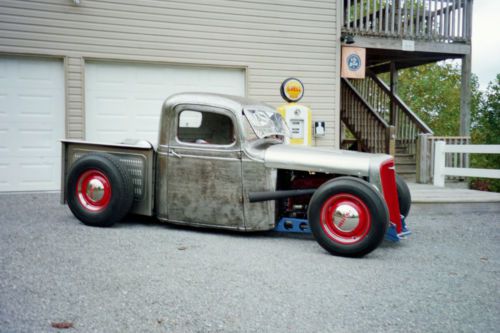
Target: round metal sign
pixel 292 90
pixel 353 62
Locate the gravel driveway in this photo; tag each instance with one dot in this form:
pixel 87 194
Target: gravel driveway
pixel 143 276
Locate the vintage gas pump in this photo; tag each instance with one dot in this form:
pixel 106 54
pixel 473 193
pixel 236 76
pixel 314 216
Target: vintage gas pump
pixel 297 116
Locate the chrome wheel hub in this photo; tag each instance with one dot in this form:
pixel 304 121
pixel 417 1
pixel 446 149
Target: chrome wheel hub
pixel 346 218
pixel 95 190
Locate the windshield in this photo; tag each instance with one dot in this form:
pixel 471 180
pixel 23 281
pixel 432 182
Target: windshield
pixel 266 123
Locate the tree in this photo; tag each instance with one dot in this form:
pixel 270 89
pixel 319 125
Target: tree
pixel 486 121
pixel 486 130
pixel 432 91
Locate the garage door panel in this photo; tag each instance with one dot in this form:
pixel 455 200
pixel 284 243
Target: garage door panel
pixel 4 135
pixel 108 74
pixel 33 104
pixel 6 173
pixel 37 141
pixel 116 125
pixel 109 105
pixel 146 104
pixel 143 124
pixel 146 116
pixel 3 71
pixel 39 174
pixel 110 136
pixel 26 174
pixel 150 76
pixel 32 71
pixel 137 92
pixel 31 123
pixel 3 107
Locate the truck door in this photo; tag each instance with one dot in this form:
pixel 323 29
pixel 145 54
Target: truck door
pixel 204 168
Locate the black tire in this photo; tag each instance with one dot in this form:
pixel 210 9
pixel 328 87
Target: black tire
pixel 404 196
pixel 112 201
pixel 365 235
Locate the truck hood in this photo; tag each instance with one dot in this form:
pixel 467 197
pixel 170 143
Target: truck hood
pixel 319 159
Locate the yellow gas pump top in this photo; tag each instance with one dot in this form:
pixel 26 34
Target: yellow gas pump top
pixel 298 117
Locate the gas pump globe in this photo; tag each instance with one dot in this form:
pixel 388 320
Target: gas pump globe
pixel 297 116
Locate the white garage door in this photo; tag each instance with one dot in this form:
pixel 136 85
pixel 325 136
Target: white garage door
pixel 31 123
pixel 124 100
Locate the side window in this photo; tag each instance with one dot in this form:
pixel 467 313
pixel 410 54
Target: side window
pixel 205 128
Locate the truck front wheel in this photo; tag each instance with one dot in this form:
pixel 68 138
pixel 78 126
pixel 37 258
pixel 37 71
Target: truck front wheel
pixel 99 190
pixel 348 217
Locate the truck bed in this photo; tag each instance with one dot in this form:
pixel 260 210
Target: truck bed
pixel 137 156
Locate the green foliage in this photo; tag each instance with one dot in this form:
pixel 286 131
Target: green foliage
pixel 486 121
pixel 433 92
pixel 486 130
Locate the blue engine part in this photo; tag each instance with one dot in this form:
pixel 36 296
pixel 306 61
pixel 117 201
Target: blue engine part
pixel 290 224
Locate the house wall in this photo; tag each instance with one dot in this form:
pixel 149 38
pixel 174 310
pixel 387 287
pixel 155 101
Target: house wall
pixel 271 40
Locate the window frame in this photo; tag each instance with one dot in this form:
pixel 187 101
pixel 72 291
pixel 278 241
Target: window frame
pixel 205 109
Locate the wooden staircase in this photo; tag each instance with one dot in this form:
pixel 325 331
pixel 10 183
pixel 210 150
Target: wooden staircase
pixel 372 132
pixel 406 163
pixel 381 122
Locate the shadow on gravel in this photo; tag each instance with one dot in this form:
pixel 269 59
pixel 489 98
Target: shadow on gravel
pixel 134 221
pixel 139 221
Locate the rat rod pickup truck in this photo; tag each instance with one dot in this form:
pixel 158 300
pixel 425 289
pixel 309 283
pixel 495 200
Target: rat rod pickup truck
pixel 221 162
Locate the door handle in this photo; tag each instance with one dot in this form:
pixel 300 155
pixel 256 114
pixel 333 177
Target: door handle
pixel 173 153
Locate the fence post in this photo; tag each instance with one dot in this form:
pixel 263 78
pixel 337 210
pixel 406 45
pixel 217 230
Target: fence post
pixel 439 159
pixel 423 160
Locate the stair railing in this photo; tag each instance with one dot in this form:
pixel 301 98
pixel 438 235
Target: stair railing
pixel 372 132
pixel 393 110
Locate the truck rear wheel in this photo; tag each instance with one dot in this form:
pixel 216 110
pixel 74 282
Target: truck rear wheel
pixel 99 190
pixel 348 217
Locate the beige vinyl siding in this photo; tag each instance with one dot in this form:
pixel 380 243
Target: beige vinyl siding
pixel 74 97
pixel 272 41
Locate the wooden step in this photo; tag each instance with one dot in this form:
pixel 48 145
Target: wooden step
pixel 406 168
pixel 406 162
pixel 409 177
pixel 405 159
pixel 404 155
pixel 401 150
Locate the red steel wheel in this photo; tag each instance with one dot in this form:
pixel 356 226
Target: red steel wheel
pixel 93 190
pixel 345 218
pixel 348 217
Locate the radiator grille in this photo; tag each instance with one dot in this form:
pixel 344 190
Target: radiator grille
pixel 136 167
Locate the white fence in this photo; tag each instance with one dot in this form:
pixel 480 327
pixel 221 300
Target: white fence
pixel 440 171
pixel 425 156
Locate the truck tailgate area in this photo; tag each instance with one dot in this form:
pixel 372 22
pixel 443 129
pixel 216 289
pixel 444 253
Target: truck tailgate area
pixel 138 157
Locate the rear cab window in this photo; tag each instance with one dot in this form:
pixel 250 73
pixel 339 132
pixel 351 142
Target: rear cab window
pixel 199 127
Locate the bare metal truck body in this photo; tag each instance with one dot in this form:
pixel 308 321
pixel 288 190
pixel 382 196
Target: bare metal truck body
pixel 221 162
